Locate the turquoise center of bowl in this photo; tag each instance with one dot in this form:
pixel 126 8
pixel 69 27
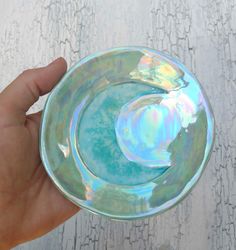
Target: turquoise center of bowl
pixel 106 140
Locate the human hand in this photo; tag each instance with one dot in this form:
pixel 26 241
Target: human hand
pixel 30 205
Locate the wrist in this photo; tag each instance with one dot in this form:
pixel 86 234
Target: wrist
pixel 6 233
pixel 6 241
pixel 5 246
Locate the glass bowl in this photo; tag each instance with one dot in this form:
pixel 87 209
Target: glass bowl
pixel 126 133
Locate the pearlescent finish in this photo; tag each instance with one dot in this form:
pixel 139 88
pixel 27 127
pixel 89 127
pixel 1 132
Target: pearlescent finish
pixel 126 133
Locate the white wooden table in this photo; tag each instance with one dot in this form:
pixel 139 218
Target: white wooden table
pixel 202 34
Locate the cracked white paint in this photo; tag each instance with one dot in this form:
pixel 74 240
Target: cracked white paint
pixel 202 34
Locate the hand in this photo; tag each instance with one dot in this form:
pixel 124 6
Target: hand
pixel 30 205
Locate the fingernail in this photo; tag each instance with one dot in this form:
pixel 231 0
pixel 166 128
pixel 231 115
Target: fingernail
pixel 55 61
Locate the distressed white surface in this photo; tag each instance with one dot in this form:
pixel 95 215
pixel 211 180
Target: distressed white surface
pixel 202 34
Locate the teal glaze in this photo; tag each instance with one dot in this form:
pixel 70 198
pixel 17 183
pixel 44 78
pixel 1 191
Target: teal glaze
pixel 126 133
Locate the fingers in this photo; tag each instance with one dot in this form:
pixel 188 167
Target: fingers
pixel 25 90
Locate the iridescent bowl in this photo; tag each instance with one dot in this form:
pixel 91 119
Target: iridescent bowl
pixel 126 133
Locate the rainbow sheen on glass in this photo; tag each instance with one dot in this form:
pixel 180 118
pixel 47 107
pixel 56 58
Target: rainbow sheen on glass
pixel 126 133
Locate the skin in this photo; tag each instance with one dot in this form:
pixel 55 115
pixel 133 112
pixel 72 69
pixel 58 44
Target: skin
pixel 30 205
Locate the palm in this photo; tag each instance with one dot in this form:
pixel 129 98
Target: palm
pixel 32 202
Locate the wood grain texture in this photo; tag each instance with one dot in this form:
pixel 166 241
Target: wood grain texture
pixel 202 34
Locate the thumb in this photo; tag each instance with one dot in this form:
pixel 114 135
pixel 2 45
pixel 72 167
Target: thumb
pixel 25 90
